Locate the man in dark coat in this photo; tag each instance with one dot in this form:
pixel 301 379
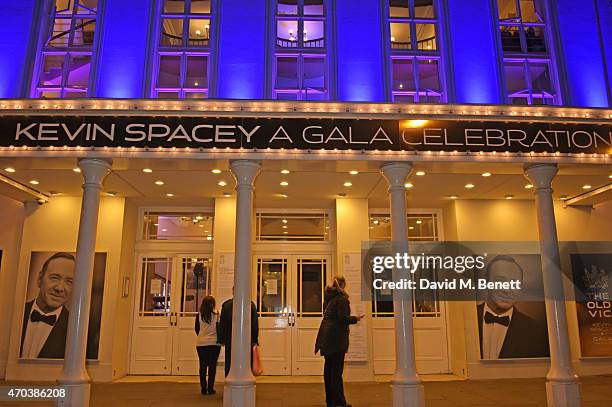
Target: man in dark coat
pixel 504 331
pixel 225 331
pixel 333 340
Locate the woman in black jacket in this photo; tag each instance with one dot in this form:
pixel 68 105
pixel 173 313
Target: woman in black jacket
pixel 333 340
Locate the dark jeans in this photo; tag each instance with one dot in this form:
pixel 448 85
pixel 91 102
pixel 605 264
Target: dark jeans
pixel 228 359
pixel 208 356
pixel 332 374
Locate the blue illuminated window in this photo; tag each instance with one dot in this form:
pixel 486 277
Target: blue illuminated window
pixel 528 69
pixel 413 35
pixel 183 50
pixel 65 66
pixel 300 56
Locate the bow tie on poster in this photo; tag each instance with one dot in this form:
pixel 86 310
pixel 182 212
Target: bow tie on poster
pixel 492 319
pixel 47 319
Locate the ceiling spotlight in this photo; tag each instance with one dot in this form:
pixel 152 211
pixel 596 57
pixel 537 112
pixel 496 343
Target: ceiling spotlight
pixel 418 222
pixel 509 196
pixel 469 186
pixel 609 176
pixel 159 182
pixel 348 184
pixel 34 182
pixel 341 194
pixel 587 186
pixel 285 232
pixel 563 197
pixel 355 172
pixel 201 226
pixel 227 194
pixel 199 217
pixel 420 173
pixel 10 169
pixel 283 195
pixel 284 226
pixel 111 193
pixel 285 171
pixel 147 170
pixel 222 183
pixel 76 169
pixel 284 220
pixel 528 186
pixel 53 193
pixel 453 197
pixel 284 183
pixel 216 171
pixel 376 222
pixel 486 174
pixel 408 185
pixel 410 227
pixel 169 195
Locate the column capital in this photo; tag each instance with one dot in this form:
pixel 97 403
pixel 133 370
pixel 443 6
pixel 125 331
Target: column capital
pixel 396 173
pixel 94 170
pixel 540 175
pixel 245 171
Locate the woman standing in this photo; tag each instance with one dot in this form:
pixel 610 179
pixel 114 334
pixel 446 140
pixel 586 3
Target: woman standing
pixel 333 340
pixel 207 346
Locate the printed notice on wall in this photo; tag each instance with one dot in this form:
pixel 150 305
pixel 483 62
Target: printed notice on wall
pixel 225 277
pixel 358 346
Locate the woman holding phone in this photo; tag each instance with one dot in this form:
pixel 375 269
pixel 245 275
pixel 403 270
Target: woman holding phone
pixel 207 343
pixel 333 340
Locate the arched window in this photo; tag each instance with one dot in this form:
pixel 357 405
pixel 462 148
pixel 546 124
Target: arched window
pixel 182 67
pixel 65 66
pixel 300 50
pixel 414 43
pixel 528 68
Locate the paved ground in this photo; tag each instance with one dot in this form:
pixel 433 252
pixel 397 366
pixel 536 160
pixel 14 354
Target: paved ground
pixel 596 392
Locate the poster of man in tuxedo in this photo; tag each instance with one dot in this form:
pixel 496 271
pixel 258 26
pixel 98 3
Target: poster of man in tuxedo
pixel 47 306
pixel 592 273
pixel 508 325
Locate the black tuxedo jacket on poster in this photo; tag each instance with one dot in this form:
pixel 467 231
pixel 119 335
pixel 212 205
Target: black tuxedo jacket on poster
pixel 55 345
pixel 525 337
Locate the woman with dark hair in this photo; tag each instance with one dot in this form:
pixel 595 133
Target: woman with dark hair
pixel 333 339
pixel 207 346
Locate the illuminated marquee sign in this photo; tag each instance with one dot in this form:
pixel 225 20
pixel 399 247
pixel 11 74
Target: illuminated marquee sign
pixel 304 134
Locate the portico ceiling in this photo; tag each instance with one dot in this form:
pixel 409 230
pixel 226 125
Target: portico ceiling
pixel 311 184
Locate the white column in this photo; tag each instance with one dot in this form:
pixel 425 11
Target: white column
pixel 239 390
pixel 74 376
pixel 406 384
pixel 562 386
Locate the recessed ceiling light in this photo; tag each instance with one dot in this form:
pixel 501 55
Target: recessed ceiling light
pixel 201 226
pixel 147 170
pixel 159 182
pixel 469 186
pixel 216 171
pixel 341 194
pixel 418 222
pixel 420 173
pixel 222 183
pixel 111 193
pixel 410 227
pixel 609 176
pixel 587 186
pixel 355 172
pixel 563 197
pixel 34 182
pixel 169 195
pixel 408 185
pixel 285 171
pixel 164 230
pixel 376 222
pixel 53 193
pixel 285 226
pixel 284 220
pixel 76 169
pixel 453 197
pixel 486 174
pixel 283 195
pixel 227 194
pixel 509 196
pixel 284 183
pixel 10 169
pixel 528 186
pixel 348 184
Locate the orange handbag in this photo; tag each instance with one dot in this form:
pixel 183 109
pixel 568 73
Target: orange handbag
pixel 257 366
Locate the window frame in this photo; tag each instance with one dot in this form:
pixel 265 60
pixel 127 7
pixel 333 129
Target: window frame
pixel 300 52
pixel 183 51
pixel 47 23
pixel 415 54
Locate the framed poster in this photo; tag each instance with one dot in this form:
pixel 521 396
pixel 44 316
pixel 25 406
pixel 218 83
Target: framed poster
pixel 47 305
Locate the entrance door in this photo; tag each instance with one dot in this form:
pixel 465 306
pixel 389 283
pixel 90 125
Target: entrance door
pixel 169 291
pixel 290 303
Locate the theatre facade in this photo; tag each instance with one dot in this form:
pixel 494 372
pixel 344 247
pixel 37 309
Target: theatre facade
pixel 154 152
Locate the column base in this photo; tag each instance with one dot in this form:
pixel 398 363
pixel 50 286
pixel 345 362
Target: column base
pixel 408 395
pixel 563 394
pixel 239 395
pixel 77 395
